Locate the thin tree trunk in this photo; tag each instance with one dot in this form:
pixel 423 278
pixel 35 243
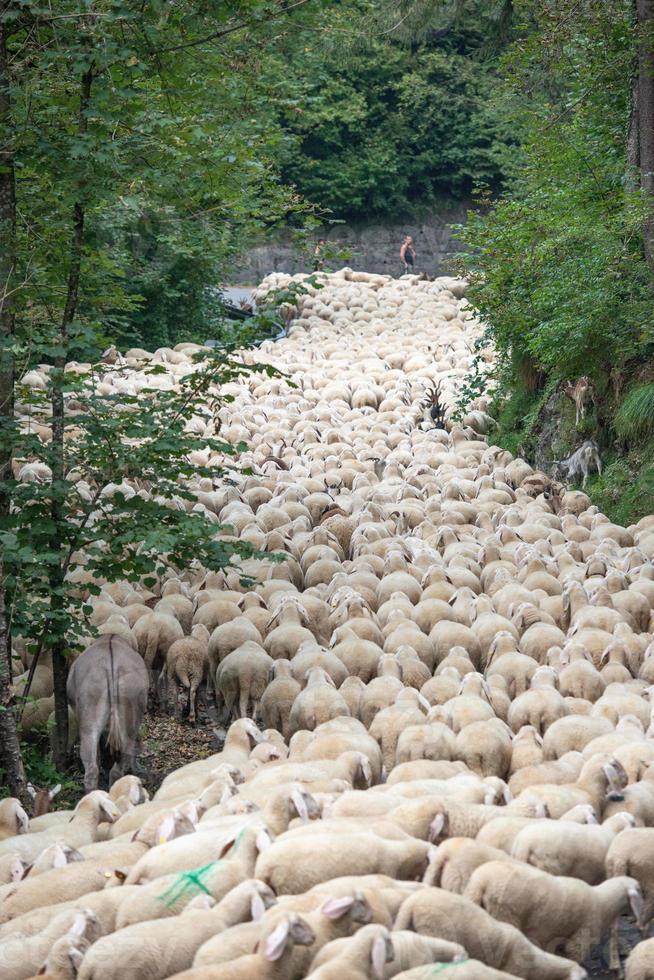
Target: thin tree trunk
pixel 10 754
pixel 645 19
pixel 57 600
pixel 633 142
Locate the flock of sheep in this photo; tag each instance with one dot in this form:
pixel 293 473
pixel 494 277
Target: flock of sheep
pixel 439 759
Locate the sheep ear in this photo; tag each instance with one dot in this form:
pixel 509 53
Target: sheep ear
pixel 257 907
pixel 334 908
pixel 507 795
pixel 381 948
pixel 276 942
pixel 53 792
pixel 263 840
pixel 75 955
pixel 22 820
pixel 31 791
pixel 300 805
pixel 109 810
pixel 59 860
pixel 78 926
pixel 227 794
pixel 17 870
pixel 436 827
pixel 612 776
pixel 166 829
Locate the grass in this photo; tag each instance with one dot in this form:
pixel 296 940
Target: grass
pixel 635 417
pixel 625 490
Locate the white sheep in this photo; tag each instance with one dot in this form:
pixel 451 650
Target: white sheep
pixel 551 910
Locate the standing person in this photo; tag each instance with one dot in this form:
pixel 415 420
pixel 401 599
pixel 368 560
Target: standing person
pixel 318 261
pixel 407 254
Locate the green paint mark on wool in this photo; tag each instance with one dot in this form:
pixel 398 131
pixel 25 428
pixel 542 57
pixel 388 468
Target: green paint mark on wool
pixel 187 882
pixel 437 967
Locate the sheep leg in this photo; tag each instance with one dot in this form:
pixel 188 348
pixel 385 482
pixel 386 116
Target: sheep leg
pixel 163 688
pixel 614 951
pixel 192 695
pixel 178 706
pixel 243 702
pixel 224 712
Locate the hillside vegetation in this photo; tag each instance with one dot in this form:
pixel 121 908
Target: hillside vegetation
pixel 560 264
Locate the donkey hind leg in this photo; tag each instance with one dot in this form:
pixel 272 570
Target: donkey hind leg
pixel 129 719
pixel 88 750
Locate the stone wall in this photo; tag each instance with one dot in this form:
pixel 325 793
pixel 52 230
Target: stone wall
pixel 375 247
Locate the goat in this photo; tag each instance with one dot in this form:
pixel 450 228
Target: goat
pixel 42 798
pixel 433 410
pixel 580 393
pixel 579 462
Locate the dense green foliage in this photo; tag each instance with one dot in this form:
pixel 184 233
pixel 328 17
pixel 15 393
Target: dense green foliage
pixel 171 157
pixel 557 263
pixel 377 126
pixel 113 436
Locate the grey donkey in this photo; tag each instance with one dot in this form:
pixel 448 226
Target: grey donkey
pixel 579 463
pixel 108 687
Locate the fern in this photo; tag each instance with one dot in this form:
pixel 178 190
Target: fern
pixel 635 417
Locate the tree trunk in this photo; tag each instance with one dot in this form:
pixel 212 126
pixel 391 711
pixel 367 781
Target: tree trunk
pixel 10 755
pixel 57 600
pixel 645 21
